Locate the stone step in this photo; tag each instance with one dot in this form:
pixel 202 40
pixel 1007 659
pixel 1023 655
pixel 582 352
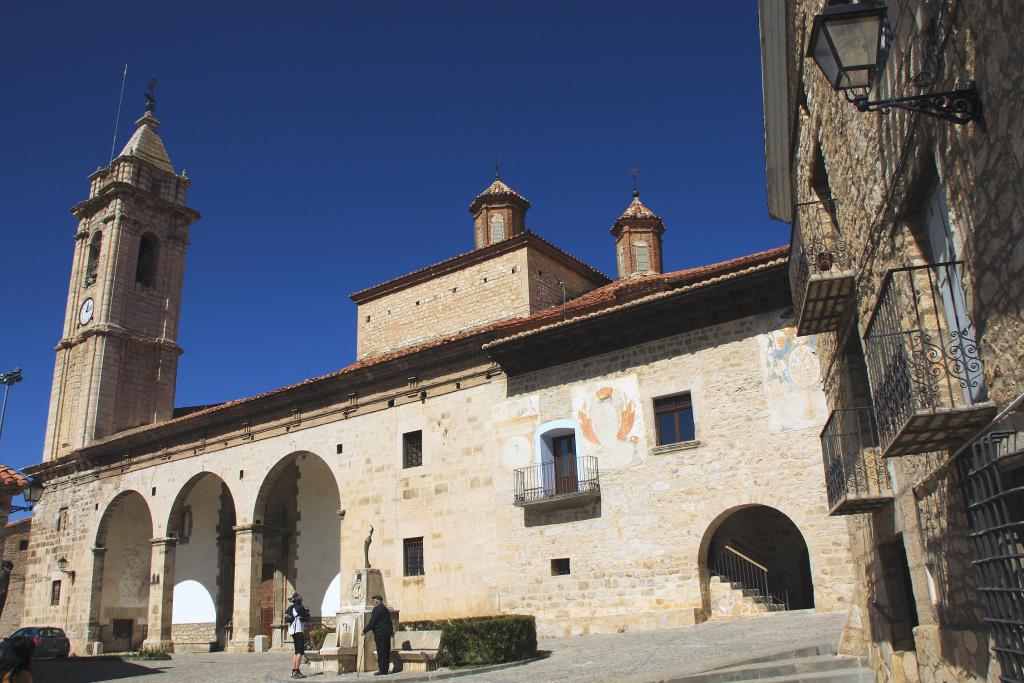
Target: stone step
pixel 842 676
pixel 798 668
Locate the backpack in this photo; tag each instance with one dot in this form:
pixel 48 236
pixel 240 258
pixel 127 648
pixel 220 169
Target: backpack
pixel 289 615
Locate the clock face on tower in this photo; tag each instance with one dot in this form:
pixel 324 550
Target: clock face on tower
pixel 85 313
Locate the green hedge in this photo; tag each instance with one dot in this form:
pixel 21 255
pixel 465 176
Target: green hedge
pixel 481 640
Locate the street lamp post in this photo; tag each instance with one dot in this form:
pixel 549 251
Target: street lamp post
pixel 7 379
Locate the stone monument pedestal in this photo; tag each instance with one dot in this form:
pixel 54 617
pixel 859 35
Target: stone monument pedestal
pixel 355 652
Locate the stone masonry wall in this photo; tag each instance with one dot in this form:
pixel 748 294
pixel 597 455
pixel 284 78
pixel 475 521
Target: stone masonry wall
pixel 879 169
pixel 17 533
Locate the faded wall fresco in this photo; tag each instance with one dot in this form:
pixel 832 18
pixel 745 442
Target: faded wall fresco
pixel 514 423
pixel 611 420
pixel 792 381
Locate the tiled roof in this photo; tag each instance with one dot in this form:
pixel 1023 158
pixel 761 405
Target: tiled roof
pixel 146 144
pixel 614 296
pixel 636 209
pixel 10 477
pixel 497 189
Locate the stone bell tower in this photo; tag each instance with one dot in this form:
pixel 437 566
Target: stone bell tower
pixel 499 212
pixel 117 359
pixel 637 235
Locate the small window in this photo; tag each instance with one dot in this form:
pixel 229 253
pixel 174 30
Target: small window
pixel 93 265
pixel 62 519
pixel 145 267
pixel 412 449
pixel 55 593
pixel 412 549
pixel 23 544
pixel 497 227
pixel 560 567
pixel 674 417
pixel 122 629
pixel 641 257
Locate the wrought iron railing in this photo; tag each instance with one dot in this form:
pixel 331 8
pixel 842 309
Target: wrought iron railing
pixel 817 250
pixel 922 354
pixel 994 487
pixel 751 576
pixel 856 478
pixel 558 479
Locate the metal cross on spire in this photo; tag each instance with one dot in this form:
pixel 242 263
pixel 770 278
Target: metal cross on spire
pixel 151 95
pixel 497 167
pixel 634 171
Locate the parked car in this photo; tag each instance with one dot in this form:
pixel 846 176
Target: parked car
pixel 50 640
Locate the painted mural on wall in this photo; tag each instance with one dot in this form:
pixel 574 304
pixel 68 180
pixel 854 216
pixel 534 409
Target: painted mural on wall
pixel 792 380
pixel 611 420
pixel 514 422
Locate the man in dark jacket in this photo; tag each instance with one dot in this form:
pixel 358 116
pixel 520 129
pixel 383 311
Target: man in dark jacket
pixel 380 624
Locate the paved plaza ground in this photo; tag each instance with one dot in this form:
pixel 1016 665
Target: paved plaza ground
pixel 623 658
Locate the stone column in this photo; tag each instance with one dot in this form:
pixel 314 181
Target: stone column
pixel 161 593
pixel 248 565
pixel 94 627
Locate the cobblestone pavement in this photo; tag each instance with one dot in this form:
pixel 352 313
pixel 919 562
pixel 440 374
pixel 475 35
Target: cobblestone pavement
pixel 623 658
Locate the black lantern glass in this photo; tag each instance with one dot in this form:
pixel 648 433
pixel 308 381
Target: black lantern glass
pixel 62 563
pixel 33 491
pixel 846 43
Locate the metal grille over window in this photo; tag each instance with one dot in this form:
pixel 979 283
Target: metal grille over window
pixel 674 417
pixel 412 449
pixel 55 593
pixel 413 554
pixel 993 476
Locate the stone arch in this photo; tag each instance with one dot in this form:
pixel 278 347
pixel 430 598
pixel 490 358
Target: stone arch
pixel 119 600
pixel 297 509
pixel 202 518
pixel 770 535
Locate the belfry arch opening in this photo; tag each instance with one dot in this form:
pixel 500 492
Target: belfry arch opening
pixel 297 507
pixel 118 614
pixel 759 550
pixel 202 520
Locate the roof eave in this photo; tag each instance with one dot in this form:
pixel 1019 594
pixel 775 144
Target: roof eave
pixel 774 80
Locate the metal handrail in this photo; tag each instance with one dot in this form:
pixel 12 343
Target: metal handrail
pixel 735 567
pixel 557 479
pixel 849 451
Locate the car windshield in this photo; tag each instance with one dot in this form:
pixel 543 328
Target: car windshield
pixel 51 633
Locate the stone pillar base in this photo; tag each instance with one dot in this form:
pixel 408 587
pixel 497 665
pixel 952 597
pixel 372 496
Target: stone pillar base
pixel 239 646
pixel 166 645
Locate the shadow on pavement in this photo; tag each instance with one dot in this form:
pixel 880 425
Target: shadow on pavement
pixel 87 670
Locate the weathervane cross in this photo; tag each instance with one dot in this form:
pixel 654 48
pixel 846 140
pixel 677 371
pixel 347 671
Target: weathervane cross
pixel 634 171
pixel 151 95
pixel 497 166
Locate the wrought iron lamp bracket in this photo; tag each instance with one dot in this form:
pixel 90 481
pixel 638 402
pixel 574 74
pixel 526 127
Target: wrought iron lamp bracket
pixel 955 106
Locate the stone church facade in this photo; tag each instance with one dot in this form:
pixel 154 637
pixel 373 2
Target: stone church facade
pixel 907 266
pixel 524 434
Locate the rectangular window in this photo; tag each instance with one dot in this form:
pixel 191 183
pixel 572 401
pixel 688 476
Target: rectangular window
pixel 412 449
pixel 23 544
pixel 560 567
pixel 62 519
pixel 643 260
pixel 674 418
pixel 55 593
pixel 413 554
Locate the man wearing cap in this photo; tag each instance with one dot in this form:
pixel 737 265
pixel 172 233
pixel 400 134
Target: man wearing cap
pixel 296 617
pixel 380 624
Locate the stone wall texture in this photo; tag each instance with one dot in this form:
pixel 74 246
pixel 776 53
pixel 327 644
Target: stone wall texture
pixel 879 168
pixel 17 534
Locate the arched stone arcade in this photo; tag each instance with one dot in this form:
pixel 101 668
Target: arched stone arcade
pixel 756 545
pixel 121 577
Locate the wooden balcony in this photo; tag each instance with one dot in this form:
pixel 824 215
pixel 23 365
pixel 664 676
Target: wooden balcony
pixel 856 478
pixel 927 379
pixel 820 268
pixel 564 483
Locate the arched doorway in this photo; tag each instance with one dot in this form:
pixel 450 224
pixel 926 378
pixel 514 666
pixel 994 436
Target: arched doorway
pixel 121 573
pixel 202 520
pixel 298 507
pixel 761 549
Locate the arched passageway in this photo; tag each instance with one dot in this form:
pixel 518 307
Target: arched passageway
pixel 121 574
pixel 298 507
pixel 202 520
pixel 761 549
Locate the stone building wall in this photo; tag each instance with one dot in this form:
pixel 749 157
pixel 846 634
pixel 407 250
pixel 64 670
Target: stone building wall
pixel 879 168
pixel 17 535
pixel 636 553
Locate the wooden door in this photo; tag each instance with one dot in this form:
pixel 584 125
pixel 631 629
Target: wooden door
pixel 564 457
pixel 267 600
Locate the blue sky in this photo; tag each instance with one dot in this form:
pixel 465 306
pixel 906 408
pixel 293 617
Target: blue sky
pixel 334 145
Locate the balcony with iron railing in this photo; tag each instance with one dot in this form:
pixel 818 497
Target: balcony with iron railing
pixel 563 483
pixel 927 381
pixel 856 478
pixel 821 269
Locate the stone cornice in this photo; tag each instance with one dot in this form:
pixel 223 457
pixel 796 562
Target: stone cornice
pixel 112 330
pixel 119 189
